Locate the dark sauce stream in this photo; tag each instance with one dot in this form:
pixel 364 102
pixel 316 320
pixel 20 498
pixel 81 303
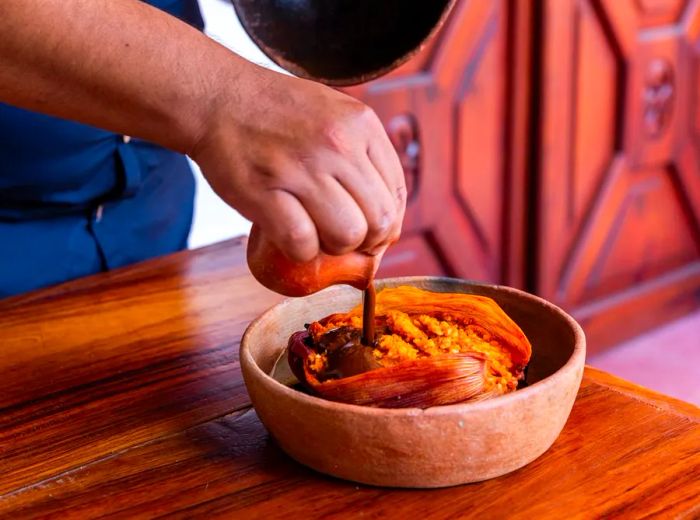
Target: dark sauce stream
pixel 349 351
pixel 368 302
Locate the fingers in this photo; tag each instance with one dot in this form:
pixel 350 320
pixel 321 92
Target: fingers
pixel 382 155
pixel 336 186
pixel 340 222
pixel 289 225
pixel 374 177
pixel 364 209
pixel 370 192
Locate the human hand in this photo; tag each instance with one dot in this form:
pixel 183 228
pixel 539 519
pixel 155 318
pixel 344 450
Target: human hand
pixel 311 166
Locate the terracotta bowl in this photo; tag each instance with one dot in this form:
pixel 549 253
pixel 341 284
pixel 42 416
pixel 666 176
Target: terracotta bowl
pixel 436 447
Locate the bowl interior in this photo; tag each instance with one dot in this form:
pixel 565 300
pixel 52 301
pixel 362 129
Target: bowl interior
pixel 550 331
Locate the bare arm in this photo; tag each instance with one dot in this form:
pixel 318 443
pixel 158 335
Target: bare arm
pixel 312 166
pixel 121 65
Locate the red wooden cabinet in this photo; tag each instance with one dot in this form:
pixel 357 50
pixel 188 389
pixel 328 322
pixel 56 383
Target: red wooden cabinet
pixel 618 233
pixel 451 113
pixel 554 145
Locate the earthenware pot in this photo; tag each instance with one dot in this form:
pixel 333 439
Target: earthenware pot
pixel 274 270
pixel 409 447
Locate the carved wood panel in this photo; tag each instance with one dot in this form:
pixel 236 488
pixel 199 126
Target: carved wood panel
pixel 608 222
pixel 619 186
pixel 451 114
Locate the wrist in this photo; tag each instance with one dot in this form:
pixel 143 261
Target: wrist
pixel 226 98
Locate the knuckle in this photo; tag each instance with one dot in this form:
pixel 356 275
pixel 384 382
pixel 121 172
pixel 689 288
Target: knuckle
pixel 367 114
pixel 335 136
pixel 341 132
pixel 305 161
pixel 374 124
pixel 385 222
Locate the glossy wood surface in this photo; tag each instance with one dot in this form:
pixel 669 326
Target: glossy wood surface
pixel 122 396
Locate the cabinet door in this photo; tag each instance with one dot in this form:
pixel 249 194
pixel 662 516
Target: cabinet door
pixel 453 115
pixel 619 195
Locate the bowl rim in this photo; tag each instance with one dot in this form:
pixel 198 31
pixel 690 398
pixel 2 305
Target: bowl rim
pixel 576 359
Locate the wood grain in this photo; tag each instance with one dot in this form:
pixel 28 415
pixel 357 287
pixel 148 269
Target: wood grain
pixel 96 366
pixel 626 464
pixel 123 398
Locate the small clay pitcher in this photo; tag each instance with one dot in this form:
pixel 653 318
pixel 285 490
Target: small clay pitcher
pixel 275 271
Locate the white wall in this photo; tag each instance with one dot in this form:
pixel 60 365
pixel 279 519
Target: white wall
pixel 213 219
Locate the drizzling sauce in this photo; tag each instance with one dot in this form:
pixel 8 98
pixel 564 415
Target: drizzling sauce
pixel 368 302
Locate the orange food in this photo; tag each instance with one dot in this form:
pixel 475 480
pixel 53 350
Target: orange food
pixel 470 338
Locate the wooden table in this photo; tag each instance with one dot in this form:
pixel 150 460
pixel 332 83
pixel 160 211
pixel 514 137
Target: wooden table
pixel 121 395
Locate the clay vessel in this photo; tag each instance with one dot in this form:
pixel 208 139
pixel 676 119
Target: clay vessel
pixel 409 447
pixel 278 273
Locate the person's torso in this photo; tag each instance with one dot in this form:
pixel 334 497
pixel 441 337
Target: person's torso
pixel 76 200
pixel 50 164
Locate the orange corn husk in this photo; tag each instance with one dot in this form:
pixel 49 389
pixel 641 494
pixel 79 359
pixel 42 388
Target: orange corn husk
pixel 488 351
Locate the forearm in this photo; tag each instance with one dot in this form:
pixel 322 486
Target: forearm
pixel 311 166
pixel 117 64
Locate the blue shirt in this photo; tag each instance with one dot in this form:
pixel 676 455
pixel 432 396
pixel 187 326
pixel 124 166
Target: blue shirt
pixel 76 200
